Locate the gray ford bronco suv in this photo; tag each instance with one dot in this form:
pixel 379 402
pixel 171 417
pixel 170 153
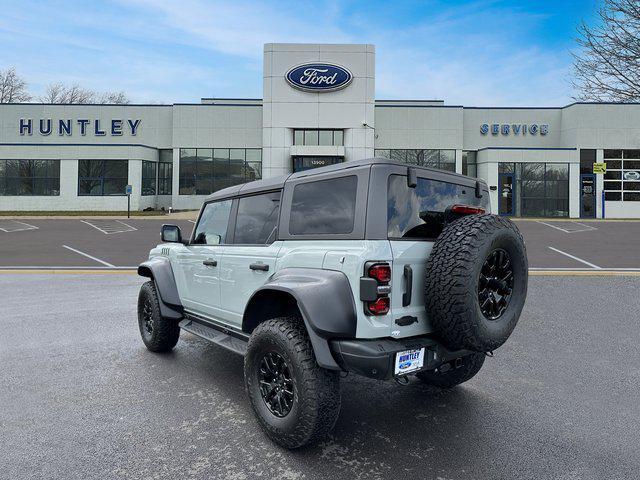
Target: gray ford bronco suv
pixel 372 267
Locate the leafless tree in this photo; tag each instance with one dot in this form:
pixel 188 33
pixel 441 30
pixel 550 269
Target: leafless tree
pixel 12 87
pixel 75 94
pixel 114 97
pixel 607 66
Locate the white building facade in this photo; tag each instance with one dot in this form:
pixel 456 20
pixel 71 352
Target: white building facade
pixel 318 108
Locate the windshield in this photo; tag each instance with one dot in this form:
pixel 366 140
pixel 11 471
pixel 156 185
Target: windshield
pixel 419 212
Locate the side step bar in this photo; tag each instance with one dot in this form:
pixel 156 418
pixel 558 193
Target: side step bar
pixel 214 335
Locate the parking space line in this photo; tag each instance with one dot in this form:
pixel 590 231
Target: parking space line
pixel 109 228
pixel 89 256
pixel 11 230
pixel 587 228
pixel 576 258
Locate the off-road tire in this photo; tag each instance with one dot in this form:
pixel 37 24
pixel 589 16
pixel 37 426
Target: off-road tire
pixel 471 365
pixel 158 334
pixel 316 402
pixel 452 282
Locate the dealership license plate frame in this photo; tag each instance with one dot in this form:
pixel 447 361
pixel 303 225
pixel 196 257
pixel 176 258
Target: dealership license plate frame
pixel 406 362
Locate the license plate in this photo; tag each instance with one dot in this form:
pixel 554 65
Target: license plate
pixel 409 361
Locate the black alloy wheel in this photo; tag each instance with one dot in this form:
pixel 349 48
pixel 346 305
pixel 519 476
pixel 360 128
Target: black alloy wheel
pixel 495 284
pixel 147 317
pixel 276 384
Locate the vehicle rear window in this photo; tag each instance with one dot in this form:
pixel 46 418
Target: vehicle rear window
pixel 419 212
pixel 324 207
pixel 257 219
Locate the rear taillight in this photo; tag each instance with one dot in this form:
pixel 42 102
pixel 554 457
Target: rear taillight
pixel 381 273
pixel 467 210
pixel 380 306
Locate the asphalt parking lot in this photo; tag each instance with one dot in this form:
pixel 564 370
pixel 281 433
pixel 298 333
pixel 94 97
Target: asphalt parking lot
pixel 124 243
pixel 82 398
pixel 83 243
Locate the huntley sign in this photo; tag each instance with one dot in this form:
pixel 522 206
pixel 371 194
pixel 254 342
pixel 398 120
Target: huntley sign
pixel 66 127
pixel 319 77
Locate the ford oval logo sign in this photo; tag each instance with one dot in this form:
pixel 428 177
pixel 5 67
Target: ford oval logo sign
pixel 631 175
pixel 319 77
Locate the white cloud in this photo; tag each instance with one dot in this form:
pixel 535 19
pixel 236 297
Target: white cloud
pixel 473 54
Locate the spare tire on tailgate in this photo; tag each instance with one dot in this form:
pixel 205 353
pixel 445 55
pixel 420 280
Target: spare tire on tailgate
pixel 476 282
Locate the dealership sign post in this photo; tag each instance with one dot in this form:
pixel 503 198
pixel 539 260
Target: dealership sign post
pixel 600 168
pixel 129 191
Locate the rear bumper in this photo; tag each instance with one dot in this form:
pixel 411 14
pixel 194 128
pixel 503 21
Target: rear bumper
pixel 375 358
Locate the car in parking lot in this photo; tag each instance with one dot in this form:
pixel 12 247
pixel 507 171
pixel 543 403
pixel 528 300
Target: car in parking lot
pixel 371 267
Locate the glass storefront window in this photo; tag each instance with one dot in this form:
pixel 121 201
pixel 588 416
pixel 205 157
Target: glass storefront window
pixel 314 137
pixel 30 177
pixel 587 159
pixel 207 170
pixel 102 177
pixel 541 189
pixel 148 178
pixel 432 158
pixel 622 180
pixel 311 137
pixel 447 160
pixel 469 163
pixel 325 137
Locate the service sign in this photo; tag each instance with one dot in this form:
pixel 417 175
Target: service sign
pixel 600 167
pixel 514 129
pixel 319 77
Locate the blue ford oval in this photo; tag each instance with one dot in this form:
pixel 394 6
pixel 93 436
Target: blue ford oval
pixel 319 77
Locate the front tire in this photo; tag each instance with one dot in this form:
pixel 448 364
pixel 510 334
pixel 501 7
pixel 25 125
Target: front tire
pixel 471 365
pixel 296 402
pixel 158 334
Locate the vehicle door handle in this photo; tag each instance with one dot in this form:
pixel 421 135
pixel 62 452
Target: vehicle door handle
pixel 408 276
pixel 259 266
pixel 210 263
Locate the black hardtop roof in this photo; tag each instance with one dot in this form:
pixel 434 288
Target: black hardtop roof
pixel 276 183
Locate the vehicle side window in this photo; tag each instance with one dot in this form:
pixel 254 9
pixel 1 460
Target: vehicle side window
pixel 212 227
pixel 324 207
pixel 257 220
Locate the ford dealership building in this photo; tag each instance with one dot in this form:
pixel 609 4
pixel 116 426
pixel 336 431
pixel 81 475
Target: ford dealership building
pixel 318 108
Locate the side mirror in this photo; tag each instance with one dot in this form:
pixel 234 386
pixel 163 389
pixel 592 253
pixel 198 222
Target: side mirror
pixel 171 234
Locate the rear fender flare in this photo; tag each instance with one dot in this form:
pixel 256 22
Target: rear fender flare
pixel 325 301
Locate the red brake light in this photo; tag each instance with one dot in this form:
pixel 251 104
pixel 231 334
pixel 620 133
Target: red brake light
pixel 379 307
pixel 467 210
pixel 381 272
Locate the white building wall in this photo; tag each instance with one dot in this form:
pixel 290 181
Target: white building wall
pixel 418 127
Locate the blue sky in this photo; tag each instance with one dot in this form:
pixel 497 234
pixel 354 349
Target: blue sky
pixel 475 53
